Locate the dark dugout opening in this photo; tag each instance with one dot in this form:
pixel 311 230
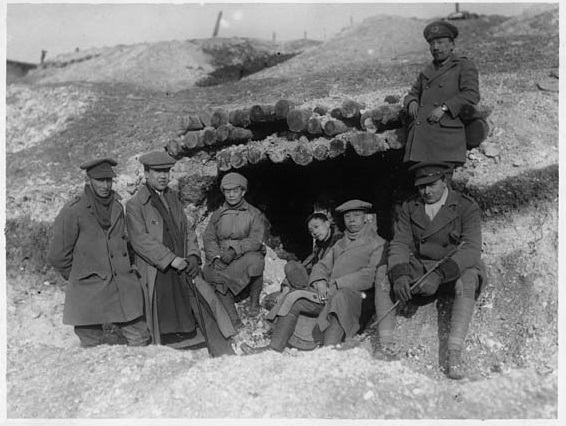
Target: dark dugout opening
pixel 287 193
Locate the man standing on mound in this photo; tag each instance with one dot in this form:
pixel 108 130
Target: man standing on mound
pixel 443 87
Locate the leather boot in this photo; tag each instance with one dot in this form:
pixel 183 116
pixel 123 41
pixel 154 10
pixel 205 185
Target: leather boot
pixel 455 365
pixel 255 290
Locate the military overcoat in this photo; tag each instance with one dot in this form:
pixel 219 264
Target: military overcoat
pixel 419 243
pixel 145 229
pixel 243 229
pixel 353 265
pixel 103 287
pixel 454 84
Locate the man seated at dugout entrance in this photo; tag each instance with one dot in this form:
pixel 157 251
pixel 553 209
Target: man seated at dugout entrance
pixel 335 285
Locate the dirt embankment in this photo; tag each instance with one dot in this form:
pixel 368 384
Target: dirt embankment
pixel 511 348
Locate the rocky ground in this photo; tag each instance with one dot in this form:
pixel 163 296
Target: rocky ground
pixel 512 345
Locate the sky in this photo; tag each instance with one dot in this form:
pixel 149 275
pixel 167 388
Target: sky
pixel 61 28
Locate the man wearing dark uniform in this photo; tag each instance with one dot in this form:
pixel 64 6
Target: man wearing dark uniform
pixel 443 87
pixel 427 228
pixel 167 253
pixel 89 249
pixel 233 244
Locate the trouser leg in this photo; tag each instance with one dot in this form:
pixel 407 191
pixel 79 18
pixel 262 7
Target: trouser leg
pixel 135 332
pixel 217 343
pixel 89 335
pixel 227 301
pixel 334 333
pixel 256 286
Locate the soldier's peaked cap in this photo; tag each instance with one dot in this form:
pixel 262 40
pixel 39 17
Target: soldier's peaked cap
pixel 428 172
pixel 157 160
pixel 354 205
pixel 100 168
pixel 439 29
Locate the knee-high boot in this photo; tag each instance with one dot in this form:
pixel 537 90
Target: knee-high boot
pixel 462 312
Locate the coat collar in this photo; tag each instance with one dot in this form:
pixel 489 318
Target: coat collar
pixel 445 215
pixel 367 234
pixel 225 207
pixel 145 195
pixel 431 73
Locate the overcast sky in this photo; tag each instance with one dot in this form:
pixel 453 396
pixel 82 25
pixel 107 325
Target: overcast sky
pixel 60 28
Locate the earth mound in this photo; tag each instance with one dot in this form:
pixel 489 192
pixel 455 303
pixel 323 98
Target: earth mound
pixel 167 65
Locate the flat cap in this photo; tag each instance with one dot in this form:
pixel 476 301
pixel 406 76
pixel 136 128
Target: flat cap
pixel 428 172
pixel 354 205
pixel 233 180
pixel 157 160
pixel 100 168
pixel 439 29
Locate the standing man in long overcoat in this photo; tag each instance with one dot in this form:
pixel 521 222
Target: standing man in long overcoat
pixel 428 227
pixel 436 132
pixel 89 249
pixel 167 253
pixel 234 247
pixel 338 280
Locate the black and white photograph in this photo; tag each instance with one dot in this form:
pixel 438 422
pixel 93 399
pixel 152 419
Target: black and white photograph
pixel 281 212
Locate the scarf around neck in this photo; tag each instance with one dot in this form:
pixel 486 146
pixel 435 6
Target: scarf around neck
pixel 102 207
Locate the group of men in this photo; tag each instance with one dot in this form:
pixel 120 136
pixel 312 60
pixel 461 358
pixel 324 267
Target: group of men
pixel 142 270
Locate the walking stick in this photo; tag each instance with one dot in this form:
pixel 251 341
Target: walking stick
pixel 419 282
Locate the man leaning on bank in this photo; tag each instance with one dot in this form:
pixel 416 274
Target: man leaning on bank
pixel 89 249
pixel 442 88
pixel 428 227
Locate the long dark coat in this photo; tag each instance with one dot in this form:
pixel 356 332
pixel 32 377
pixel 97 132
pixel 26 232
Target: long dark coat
pixel 418 243
pixel 454 84
pixel 242 229
pixel 353 265
pixel 103 287
pixel 145 229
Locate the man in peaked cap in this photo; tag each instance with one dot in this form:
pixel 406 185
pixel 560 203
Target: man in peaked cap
pixel 234 247
pixel 167 254
pixel 427 228
pixel 338 281
pixel 436 132
pixel 89 249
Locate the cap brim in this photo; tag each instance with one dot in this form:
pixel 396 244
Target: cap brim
pixel 425 180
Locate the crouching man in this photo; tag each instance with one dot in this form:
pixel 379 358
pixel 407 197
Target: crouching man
pixel 428 227
pixel 336 283
pixel 89 249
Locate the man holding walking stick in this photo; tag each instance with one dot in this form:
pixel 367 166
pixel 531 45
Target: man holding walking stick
pixel 437 233
pixel 181 309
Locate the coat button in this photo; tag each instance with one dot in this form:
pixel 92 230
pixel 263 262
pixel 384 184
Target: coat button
pixel 423 240
pixel 422 104
pixel 440 85
pixel 124 254
pixel 111 256
pixel 435 104
pixel 115 274
pixel 418 122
